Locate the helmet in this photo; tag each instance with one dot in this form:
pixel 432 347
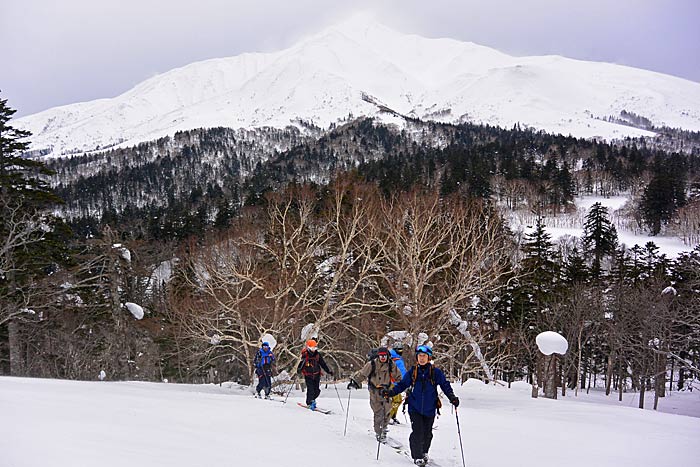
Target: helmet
pixel 398 347
pixel 382 351
pixel 265 344
pixel 311 344
pixel 424 349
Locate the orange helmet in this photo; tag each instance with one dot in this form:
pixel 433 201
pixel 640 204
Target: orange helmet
pixel 311 344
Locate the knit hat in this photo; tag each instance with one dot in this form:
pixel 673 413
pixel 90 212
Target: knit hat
pixel 311 344
pixel 382 351
pixel 265 344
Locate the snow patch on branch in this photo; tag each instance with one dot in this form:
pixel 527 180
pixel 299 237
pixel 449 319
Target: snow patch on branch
pixel 134 309
pixel 463 328
pixel 550 342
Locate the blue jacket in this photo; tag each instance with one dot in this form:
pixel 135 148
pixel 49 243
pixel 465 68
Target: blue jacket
pixel 263 359
pixel 398 361
pixel 423 396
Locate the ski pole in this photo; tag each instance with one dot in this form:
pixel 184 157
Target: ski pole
pixel 347 413
pixel 459 433
pixel 294 380
pixel 335 385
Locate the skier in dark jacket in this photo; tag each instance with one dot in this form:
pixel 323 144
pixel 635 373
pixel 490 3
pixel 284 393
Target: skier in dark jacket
pixel 422 380
pixel 310 366
pixel 264 359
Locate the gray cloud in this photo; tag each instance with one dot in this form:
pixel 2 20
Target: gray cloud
pixel 60 52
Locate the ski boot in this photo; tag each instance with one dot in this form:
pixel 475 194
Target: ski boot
pixel 312 406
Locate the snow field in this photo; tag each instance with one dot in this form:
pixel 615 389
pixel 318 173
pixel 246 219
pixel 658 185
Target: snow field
pixel 73 424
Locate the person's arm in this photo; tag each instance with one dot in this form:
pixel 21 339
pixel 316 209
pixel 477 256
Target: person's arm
pixel 363 373
pixel 402 385
pixel 301 364
pixel 446 386
pixel 257 359
pixel 322 362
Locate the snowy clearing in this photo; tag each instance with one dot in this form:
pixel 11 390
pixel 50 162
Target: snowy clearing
pixel 60 423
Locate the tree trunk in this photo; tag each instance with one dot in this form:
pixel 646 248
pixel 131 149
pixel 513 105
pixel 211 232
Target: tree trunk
pixel 609 375
pixel 642 390
pixel 620 383
pixel 578 368
pixel 550 376
pixel 660 378
pixel 15 345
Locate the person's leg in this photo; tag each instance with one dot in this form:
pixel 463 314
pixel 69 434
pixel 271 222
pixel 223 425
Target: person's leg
pixel 416 439
pixel 375 402
pixel 395 404
pixel 310 391
pixel 317 386
pixel 261 383
pixel 427 434
pixel 267 379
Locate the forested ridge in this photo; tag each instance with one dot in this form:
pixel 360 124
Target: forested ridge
pixel 223 235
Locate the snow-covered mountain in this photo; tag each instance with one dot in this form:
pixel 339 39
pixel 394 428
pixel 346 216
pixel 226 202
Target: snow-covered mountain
pixel 360 67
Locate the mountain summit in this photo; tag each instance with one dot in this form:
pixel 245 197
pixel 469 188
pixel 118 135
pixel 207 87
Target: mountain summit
pixel 362 68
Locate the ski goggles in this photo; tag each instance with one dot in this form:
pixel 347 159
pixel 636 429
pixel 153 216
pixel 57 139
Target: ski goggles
pixel 424 349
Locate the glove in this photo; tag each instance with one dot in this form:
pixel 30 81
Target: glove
pixel 353 384
pixel 454 400
pixel 385 393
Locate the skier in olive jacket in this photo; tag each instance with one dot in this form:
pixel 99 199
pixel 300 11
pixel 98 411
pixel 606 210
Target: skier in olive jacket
pixel 380 372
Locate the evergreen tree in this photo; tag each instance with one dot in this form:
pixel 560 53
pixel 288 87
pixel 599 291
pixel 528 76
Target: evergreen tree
pixel 540 263
pixel 599 236
pixel 575 270
pixel 30 239
pixel 664 194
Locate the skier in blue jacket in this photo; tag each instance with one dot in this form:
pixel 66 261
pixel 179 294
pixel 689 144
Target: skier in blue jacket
pixel 422 380
pixel 264 359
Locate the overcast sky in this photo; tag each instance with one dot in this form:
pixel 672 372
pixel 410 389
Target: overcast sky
pixel 56 52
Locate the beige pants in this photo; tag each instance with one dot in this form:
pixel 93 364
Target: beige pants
pixel 381 408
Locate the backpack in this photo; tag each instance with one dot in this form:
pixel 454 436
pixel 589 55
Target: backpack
pixel 311 364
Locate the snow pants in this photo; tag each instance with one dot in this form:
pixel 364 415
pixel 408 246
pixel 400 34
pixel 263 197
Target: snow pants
pixel 421 434
pixel 395 404
pixel 381 408
pixel 264 382
pixel 313 388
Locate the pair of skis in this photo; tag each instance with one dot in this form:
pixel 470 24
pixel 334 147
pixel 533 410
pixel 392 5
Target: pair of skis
pixel 317 409
pixel 400 449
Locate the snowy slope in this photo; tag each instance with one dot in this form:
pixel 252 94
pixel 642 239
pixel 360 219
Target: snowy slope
pixel 324 77
pixel 54 423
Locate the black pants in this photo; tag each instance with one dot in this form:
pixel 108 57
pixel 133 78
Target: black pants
pixel 313 389
pixel 264 382
pixel 421 434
